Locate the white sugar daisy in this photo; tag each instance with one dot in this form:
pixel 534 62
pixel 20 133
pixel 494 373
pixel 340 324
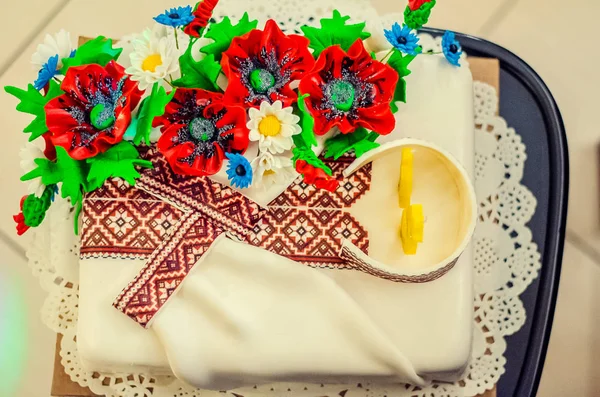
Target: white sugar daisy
pixel 58 44
pixel 28 154
pixel 273 127
pixel 153 59
pixel 271 170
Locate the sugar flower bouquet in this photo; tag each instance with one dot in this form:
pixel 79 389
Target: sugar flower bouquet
pixel 205 91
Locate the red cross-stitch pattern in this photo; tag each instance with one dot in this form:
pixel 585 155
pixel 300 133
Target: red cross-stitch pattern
pixel 358 263
pixel 172 220
pixel 225 206
pixel 121 221
pixel 351 189
pixel 167 268
pixel 208 209
pixel 309 225
pixel 118 189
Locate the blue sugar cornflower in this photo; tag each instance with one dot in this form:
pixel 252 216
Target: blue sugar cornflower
pixel 451 48
pixel 402 38
pixel 176 17
pixel 46 73
pixel 239 171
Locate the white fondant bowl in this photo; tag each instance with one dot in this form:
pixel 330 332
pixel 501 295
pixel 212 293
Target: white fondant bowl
pixel 444 189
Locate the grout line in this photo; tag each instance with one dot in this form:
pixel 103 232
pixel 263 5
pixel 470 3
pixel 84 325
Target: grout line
pixel 33 35
pixel 12 245
pixel 587 249
pixel 492 23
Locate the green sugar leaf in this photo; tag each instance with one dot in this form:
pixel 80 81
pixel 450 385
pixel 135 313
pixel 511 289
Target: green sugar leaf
pixel 334 31
pixel 34 208
pixel 72 174
pixel 417 18
pixel 306 154
pixel 33 102
pixel 120 161
pixel 307 137
pixel 152 107
pixel 399 63
pixel 361 141
pixel 223 34
pixel 99 50
pixel 198 74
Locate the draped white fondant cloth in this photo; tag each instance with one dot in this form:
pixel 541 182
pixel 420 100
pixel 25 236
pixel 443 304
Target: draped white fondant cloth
pixel 244 316
pixel 247 316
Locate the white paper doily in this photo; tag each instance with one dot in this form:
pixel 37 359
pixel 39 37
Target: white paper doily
pixel 506 258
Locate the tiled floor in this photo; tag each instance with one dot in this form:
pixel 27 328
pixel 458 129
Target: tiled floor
pixel 556 39
pixel 23 20
pixel 26 345
pixel 571 368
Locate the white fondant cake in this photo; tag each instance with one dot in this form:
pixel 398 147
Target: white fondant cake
pixel 246 316
pixel 255 206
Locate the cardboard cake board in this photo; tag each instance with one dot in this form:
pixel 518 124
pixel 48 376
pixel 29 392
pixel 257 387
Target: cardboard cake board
pixel 484 69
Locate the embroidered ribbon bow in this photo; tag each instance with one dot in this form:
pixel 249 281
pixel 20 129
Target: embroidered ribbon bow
pixel 209 209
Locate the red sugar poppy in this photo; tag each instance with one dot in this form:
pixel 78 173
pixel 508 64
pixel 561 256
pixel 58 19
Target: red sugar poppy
pixel 316 176
pixel 202 15
pixel 416 4
pixel 198 130
pixel 262 64
pixel 19 219
pixel 95 110
pixel 350 90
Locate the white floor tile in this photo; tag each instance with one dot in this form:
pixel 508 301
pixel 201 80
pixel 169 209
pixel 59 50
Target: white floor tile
pixel 465 16
pixel 21 20
pixel 559 42
pixel 571 368
pixel 26 345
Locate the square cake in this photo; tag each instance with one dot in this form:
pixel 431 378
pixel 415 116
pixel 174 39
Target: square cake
pixel 255 205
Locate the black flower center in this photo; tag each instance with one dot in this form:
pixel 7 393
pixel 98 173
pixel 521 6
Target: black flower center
pixel 453 48
pixel 174 16
pixel 342 94
pixel 240 170
pixel 202 129
pixel 262 80
pixel 402 40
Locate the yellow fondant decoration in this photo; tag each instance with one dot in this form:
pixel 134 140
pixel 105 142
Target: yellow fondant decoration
pixel 416 222
pixel 270 126
pixel 405 186
pixel 411 229
pixel 409 246
pixel 151 63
